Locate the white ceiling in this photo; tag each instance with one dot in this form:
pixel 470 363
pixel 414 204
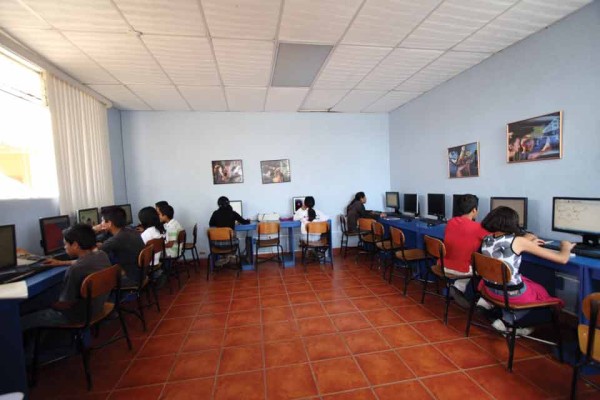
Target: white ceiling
pixel 218 55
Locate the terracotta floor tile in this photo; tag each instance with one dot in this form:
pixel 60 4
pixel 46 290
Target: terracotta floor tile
pixel 402 335
pixel 359 394
pixel 203 340
pixel 425 360
pixel 385 367
pixel 436 331
pixel 240 359
pixel 465 353
pixel 298 287
pixel 188 390
pixel 241 318
pixel 242 335
pixel 337 375
pixel 142 393
pixel 331 295
pixel 213 321
pixel 172 326
pixel 245 293
pixel 272 290
pixel 290 382
pixel 397 300
pixel 244 304
pixel 455 386
pixel 276 314
pixel 384 289
pixel 188 310
pixel 162 345
pixel 350 322
pixel 504 385
pixel 284 353
pixel 496 345
pixel 538 370
pixel 339 306
pixel 359 291
pixel 365 341
pixel 147 371
pixel 303 297
pixel 412 390
pixel 415 313
pixel 283 330
pixel 309 310
pixel 195 365
pixel 326 346
pixel 368 303
pixel 383 317
pixel 315 326
pixel 213 308
pixel 277 300
pixel 247 386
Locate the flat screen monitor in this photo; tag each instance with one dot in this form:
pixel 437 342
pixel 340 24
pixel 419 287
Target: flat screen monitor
pixel 436 205
pixel 52 229
pixel 297 203
pixel 519 204
pixel 392 200
pixel 127 209
pixel 577 215
pixel 8 246
pixel 237 206
pixel 411 203
pixel 88 216
pixel 455 200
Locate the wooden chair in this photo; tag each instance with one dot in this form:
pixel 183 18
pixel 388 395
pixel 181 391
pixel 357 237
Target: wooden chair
pixel 191 247
pixel 436 250
pixel 158 247
pixel 320 246
pixel 366 240
pixel 588 336
pixel 268 228
pixel 179 259
pixel 221 244
pixel 497 274
pixel 383 246
pixel 346 235
pixel 405 257
pixel 97 285
pixel 144 285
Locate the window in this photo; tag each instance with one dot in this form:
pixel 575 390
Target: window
pixel 27 164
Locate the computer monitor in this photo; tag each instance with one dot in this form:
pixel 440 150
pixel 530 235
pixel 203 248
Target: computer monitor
pixel 579 216
pixel 127 209
pixel 519 204
pixel 88 216
pixel 52 229
pixel 237 206
pixel 411 204
pixel 436 205
pixel 8 246
pixel 392 200
pixel 297 202
pixel 455 201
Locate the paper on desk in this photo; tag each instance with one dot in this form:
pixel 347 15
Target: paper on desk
pixel 17 290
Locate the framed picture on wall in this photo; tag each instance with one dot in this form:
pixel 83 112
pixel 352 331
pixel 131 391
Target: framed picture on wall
pixel 227 171
pixel 463 161
pixel 534 139
pixel 275 171
pixel 297 203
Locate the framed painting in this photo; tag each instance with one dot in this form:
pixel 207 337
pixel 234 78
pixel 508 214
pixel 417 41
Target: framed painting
pixel 535 139
pixel 227 171
pixel 275 171
pixel 463 161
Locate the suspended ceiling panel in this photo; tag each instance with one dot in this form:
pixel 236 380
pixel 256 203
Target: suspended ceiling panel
pixel 248 19
pixel 121 96
pixel 246 99
pixel 285 98
pixel 202 98
pixel 323 99
pixel 160 97
pixel 357 100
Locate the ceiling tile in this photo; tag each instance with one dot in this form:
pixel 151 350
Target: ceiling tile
pixel 285 99
pixel 316 21
pixel 348 65
pixel 121 97
pixel 357 100
pixel 323 100
pixel 123 55
pixel 387 22
pixel 453 21
pixel 51 45
pixel 160 97
pixel 80 15
pixel 398 66
pixel 391 101
pixel 187 60
pixel 244 62
pixel 245 99
pixel 174 17
pixel 14 16
pixel 204 98
pixel 248 19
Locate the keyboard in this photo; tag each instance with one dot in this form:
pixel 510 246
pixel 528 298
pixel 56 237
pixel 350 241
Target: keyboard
pixel 394 215
pixel 432 221
pixel 580 250
pixel 11 275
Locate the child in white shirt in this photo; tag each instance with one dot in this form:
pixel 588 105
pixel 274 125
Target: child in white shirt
pixel 172 228
pixel 307 213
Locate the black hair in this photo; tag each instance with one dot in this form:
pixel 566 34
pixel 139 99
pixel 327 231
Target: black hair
pixel 83 234
pixel 116 215
pixel 161 203
pixel 167 210
pixel 502 219
pixel 357 197
pixel 223 201
pixel 466 203
pixel 148 217
pixel 309 202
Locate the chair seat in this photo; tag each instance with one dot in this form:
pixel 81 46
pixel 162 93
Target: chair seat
pixel 582 333
pixel 352 233
pixel 411 254
pixel 106 310
pixel 385 245
pixel 437 269
pixel 367 238
pixel 134 288
pixel 189 246
pixel 267 242
pixel 315 243
pixel 217 250
pixel 500 303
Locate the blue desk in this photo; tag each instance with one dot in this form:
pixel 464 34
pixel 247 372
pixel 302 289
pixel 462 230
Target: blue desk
pixel 13 374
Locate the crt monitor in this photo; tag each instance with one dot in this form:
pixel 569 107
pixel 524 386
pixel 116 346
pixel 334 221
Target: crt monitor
pixel 52 229
pixel 127 209
pixel 411 204
pixel 579 216
pixel 392 200
pixel 8 247
pixel 436 205
pixel 519 204
pixel 88 216
pixel 237 206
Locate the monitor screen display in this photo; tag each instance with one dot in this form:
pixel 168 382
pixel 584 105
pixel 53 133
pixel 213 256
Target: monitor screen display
pixel 436 204
pixel 576 215
pixel 411 203
pixel 127 209
pixel 237 206
pixel 52 233
pixel 8 247
pixel 455 200
pixel 392 200
pixel 88 216
pixel 519 204
pixel 297 203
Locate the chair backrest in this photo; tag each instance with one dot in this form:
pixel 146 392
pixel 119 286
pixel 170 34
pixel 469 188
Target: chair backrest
pixel 589 307
pixel 181 238
pixel 267 228
pixel 343 224
pixel 493 270
pixel 146 256
pixel 219 234
pixel 398 238
pixel 378 231
pixel 195 234
pixel 586 305
pixel 98 284
pixel 435 248
pixel 365 229
pixel 158 246
pixel 317 228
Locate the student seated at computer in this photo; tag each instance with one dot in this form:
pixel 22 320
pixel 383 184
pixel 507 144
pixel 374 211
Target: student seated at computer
pixel 226 217
pixel 125 244
pixel 172 228
pixel 356 209
pixel 152 228
pixel 307 213
pixel 80 243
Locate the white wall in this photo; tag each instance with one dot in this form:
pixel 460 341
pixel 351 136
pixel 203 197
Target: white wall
pixel 555 69
pixel 168 157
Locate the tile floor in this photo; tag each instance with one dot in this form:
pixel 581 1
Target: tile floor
pixel 329 334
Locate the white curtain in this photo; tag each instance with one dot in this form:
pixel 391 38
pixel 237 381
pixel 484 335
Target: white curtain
pixel 81 144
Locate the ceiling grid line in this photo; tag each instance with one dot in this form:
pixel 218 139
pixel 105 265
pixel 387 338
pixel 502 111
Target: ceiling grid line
pixel 275 51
